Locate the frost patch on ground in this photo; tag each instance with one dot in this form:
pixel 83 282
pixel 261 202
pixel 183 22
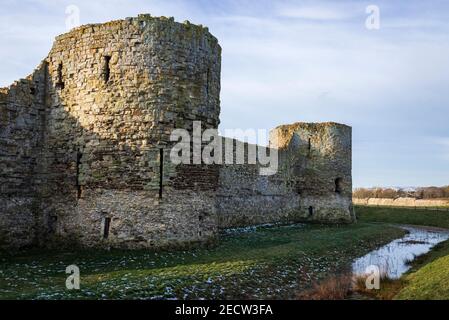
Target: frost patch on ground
pixel 249 229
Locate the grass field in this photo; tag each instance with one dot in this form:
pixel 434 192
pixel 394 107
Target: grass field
pixel 429 275
pixel 272 262
pixel 432 218
pixel 429 278
pixel 276 262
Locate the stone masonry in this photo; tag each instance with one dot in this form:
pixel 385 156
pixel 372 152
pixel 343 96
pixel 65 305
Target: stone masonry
pixel 85 144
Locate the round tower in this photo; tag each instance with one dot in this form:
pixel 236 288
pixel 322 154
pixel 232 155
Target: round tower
pixel 115 92
pixel 317 160
pixel 118 90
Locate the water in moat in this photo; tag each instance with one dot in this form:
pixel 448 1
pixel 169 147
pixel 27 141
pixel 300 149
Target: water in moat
pixel 394 258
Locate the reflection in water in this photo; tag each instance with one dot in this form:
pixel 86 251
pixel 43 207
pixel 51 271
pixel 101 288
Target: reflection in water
pixel 392 259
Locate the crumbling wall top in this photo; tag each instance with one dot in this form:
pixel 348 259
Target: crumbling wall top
pixel 281 136
pixel 141 21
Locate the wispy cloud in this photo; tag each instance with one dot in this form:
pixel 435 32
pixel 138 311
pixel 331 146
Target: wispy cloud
pixel 315 12
pixel 443 144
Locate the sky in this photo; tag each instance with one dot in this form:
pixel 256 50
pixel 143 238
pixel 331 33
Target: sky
pixel 286 61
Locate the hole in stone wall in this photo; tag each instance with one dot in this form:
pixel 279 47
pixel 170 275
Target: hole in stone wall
pixel 32 91
pixel 338 185
pixel 161 171
pixel 310 211
pixel 52 223
pixel 207 81
pixel 79 155
pixel 106 68
pixel 60 79
pixel 106 227
pixel 309 145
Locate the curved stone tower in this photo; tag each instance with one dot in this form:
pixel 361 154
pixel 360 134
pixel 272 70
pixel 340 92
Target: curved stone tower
pixel 105 102
pixel 318 161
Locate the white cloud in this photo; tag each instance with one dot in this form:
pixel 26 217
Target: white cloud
pixel 314 13
pixel 443 144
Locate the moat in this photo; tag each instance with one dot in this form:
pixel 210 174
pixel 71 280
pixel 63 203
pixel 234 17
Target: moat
pixel 394 258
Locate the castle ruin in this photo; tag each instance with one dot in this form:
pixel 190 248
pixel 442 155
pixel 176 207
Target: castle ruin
pixel 85 144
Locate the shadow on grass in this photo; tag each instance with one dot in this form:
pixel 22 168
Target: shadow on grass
pixel 262 264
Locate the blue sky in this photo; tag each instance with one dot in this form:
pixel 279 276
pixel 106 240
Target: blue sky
pixel 288 61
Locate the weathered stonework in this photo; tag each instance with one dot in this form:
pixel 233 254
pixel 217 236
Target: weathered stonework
pixel 313 182
pixel 84 138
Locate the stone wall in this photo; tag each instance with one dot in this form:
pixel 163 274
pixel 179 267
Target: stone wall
pixel 316 159
pixel 162 75
pixel 91 131
pixel 313 182
pixel 246 197
pixel 137 219
pixel 22 123
pixel 85 144
pixel 117 92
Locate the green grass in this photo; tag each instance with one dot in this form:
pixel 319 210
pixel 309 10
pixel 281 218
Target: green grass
pixel 431 218
pixel 430 281
pixel 429 276
pixel 267 263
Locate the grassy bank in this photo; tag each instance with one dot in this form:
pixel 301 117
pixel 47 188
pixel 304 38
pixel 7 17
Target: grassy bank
pixel 267 263
pixel 429 276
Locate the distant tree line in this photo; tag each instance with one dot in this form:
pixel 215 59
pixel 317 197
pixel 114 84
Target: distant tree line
pixel 390 193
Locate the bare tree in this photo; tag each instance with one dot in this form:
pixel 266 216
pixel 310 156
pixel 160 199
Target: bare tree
pixel 389 193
